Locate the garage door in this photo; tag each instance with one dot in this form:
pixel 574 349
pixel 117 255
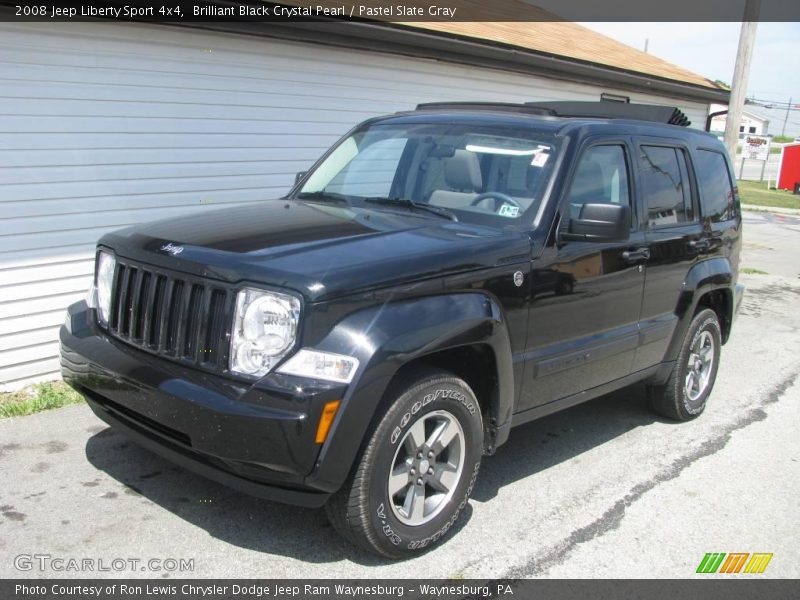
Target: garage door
pixel 108 125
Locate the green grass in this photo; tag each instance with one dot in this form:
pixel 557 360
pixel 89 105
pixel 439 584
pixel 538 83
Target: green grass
pixel 36 398
pixel 751 271
pixel 756 193
pixel 772 150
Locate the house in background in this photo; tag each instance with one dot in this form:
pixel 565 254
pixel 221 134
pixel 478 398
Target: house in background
pixel 110 124
pixel 752 123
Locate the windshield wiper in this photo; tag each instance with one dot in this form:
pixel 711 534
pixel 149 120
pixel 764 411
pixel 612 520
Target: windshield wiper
pixel 323 195
pixel 408 203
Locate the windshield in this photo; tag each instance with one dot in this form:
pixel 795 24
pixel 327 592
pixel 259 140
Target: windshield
pixel 491 175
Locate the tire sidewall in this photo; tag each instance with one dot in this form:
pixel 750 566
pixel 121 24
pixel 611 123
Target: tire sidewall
pixel 439 393
pixel 704 321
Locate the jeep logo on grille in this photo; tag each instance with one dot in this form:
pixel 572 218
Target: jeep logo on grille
pixel 171 248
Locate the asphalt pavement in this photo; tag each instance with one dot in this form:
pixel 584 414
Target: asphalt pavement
pixel 605 489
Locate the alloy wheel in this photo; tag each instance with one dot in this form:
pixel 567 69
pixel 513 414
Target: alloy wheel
pixel 426 468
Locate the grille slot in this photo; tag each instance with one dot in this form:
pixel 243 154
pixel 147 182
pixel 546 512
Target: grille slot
pixel 170 314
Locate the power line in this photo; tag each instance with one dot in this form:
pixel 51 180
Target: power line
pixel 774 93
pixel 770 104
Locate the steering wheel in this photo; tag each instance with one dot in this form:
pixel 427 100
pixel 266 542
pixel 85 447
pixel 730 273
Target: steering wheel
pixel 499 200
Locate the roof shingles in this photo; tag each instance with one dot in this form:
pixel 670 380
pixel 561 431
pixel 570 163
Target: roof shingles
pixel 570 40
pixel 534 29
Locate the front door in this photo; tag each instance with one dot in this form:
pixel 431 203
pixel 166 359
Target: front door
pixel 586 296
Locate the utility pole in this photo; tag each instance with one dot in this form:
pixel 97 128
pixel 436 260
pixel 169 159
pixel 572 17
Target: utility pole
pixel 741 72
pixel 786 118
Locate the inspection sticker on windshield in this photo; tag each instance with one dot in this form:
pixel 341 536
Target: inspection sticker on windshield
pixel 509 210
pixel 539 159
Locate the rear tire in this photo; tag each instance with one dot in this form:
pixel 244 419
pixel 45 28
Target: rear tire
pixel 417 470
pixel 684 395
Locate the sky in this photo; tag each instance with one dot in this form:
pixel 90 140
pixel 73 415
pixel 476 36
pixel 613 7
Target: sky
pixel 710 50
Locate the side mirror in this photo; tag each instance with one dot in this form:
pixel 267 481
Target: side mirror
pixel 600 223
pixel 299 176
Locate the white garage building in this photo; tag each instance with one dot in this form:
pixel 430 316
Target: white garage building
pixel 104 125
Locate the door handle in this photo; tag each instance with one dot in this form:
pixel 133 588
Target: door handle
pixel 700 245
pixel 637 255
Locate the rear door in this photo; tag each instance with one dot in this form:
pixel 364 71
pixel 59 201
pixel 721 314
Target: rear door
pixel 720 212
pixel 669 216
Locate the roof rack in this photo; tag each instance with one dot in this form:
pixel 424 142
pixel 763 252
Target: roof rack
pixel 597 110
pixel 616 110
pixel 502 106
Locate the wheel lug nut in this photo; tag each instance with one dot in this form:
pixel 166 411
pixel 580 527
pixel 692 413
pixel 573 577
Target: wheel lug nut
pixel 419 481
pixel 413 471
pixel 419 456
pixel 430 454
pixel 430 471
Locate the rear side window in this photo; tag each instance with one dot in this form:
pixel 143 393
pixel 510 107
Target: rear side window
pixel 716 191
pixel 665 184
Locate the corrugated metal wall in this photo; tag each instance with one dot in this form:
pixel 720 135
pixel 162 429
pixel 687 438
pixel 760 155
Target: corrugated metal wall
pixel 107 125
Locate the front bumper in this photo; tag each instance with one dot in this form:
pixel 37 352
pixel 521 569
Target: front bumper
pixel 257 438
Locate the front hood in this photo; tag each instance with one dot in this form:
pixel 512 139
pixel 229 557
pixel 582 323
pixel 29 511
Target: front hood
pixel 321 250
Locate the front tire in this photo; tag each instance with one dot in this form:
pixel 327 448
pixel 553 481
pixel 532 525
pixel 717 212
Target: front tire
pixel 417 470
pixel 686 392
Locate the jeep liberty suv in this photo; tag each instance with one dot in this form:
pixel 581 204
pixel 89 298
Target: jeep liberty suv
pixel 438 277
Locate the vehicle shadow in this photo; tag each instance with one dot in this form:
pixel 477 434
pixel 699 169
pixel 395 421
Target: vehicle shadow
pixel 305 534
pixel 536 446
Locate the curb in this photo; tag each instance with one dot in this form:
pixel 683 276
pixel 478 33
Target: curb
pixel 771 209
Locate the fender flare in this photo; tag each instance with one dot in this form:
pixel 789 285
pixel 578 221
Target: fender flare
pixel 386 337
pixel 704 276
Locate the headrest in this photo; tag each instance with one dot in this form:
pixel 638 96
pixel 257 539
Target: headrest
pixel 588 184
pixel 462 171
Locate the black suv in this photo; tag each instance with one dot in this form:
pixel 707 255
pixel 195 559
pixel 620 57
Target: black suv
pixel 436 278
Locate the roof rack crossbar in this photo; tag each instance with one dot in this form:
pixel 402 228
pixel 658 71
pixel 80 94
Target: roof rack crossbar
pixel 501 106
pixel 592 110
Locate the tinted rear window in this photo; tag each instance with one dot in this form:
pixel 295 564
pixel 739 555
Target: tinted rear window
pixel 666 187
pixel 716 191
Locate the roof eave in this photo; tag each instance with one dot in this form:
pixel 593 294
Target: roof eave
pixel 397 39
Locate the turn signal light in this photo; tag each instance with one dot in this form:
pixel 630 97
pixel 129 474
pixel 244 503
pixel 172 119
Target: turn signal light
pixel 328 414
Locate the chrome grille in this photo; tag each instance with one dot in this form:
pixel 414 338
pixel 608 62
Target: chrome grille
pixel 172 315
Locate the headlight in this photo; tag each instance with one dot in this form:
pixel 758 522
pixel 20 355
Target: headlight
pixel 106 264
pixel 264 330
pixel 321 365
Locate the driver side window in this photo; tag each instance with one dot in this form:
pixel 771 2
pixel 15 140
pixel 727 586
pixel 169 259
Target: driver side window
pixel 600 178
